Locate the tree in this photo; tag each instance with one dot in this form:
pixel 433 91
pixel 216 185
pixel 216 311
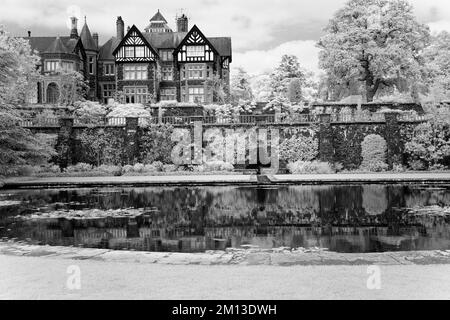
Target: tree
pixel 17 71
pixel 220 90
pixel 288 69
pixel 240 86
pixel 376 42
pixel 295 93
pixel 73 88
pixel 437 59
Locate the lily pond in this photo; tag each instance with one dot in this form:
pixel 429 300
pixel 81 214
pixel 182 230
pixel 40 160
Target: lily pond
pixel 354 218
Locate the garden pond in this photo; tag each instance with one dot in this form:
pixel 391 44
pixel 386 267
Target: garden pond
pixel 352 218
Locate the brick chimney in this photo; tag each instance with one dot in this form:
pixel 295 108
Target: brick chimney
pixel 182 23
pixel 95 37
pixel 74 30
pixel 120 28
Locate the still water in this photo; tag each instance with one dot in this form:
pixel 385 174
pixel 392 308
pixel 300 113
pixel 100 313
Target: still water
pixel 370 218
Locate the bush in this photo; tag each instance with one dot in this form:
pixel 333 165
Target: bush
pixel 170 168
pixel 110 170
pixel 374 149
pixel 127 169
pixel 138 168
pixel 218 166
pixel 156 144
pixel 79 168
pixel 150 168
pixel 129 111
pixel 307 167
pixel 299 148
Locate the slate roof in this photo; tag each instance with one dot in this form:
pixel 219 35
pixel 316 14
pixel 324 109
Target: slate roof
pixel 167 40
pixel 49 44
pixel 158 17
pixel 87 39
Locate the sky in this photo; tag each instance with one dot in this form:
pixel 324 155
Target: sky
pixel 261 30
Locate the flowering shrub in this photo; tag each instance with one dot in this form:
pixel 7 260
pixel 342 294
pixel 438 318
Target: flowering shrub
pixel 89 111
pixel 129 111
pixel 374 149
pixel 299 148
pixel 308 167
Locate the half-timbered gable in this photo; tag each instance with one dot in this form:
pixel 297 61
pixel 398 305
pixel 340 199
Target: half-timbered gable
pixel 135 48
pixel 196 48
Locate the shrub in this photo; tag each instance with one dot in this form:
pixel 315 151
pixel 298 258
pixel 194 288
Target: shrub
pixel 127 169
pixel 218 166
pixel 150 168
pixel 158 165
pixel 374 149
pixel 79 168
pixel 170 168
pixel 307 167
pixel 138 168
pixel 156 144
pixel 110 170
pixel 129 111
pixel 299 148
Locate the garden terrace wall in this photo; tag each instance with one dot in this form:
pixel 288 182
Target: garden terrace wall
pixel 372 107
pixel 339 142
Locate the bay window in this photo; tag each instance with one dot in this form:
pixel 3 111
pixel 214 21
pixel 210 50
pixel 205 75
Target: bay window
pixel 135 72
pixel 136 94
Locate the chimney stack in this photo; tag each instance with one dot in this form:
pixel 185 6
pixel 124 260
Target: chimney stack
pixel 120 28
pixel 95 37
pixel 29 34
pixel 182 23
pixel 74 31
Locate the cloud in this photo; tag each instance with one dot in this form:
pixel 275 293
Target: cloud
pixel 264 61
pixel 439 26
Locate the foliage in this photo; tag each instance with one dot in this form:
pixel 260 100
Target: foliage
pixel 240 87
pixel 308 167
pixel 89 111
pixel 295 93
pixel 156 144
pixel 73 87
pixel 430 144
pixel 101 146
pixel 373 152
pixel 220 90
pixel 128 111
pixel 288 69
pixel 376 42
pixel 299 147
pixel 214 166
pixel 437 58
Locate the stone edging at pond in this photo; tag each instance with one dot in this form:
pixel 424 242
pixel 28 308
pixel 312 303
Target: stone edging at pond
pixel 231 257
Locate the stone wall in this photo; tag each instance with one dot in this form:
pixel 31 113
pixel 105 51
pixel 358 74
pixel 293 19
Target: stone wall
pixel 338 142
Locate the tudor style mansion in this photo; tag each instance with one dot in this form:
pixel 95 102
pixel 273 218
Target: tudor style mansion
pixel 157 62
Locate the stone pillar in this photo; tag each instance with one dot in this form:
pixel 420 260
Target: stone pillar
pixel 326 149
pixel 131 127
pixel 65 143
pixel 393 139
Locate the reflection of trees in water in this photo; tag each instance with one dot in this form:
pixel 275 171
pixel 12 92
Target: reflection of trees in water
pixel 375 199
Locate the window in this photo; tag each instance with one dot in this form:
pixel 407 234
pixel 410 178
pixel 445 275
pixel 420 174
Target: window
pixel 135 72
pixel 166 55
pixel 194 72
pixel 168 94
pixel 195 51
pixel 108 91
pixel 167 73
pixel 91 65
pixel 140 52
pixel 109 69
pixel 51 66
pixel 136 94
pixel 129 52
pixel 67 66
pixel 193 95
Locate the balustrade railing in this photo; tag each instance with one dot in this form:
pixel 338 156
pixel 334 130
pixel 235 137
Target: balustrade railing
pixel 217 120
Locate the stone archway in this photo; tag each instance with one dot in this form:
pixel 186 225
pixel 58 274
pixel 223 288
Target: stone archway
pixel 52 93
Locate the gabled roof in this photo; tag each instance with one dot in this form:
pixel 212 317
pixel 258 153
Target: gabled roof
pixel 87 39
pixel 135 29
pixel 192 31
pixel 57 46
pixel 158 17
